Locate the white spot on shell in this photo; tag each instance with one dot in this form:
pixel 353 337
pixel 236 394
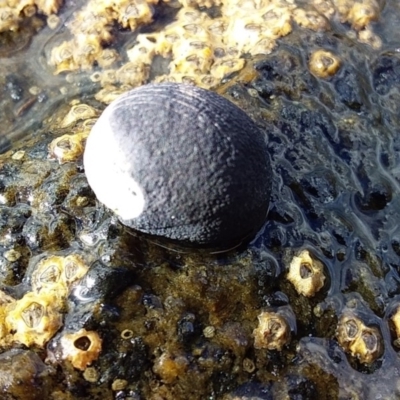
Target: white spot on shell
pixel 108 175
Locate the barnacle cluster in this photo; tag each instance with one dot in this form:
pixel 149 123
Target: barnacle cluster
pixel 92 27
pixel 12 12
pixel 37 316
pixel 361 341
pixel 359 14
pixel 201 48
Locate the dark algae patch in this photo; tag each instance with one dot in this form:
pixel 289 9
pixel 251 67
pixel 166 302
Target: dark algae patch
pixel 91 309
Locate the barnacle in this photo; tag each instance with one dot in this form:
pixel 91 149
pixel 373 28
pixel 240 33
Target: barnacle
pixel 369 37
pixel 12 12
pixel 34 319
pixel 361 341
pixel 78 112
pixel 108 94
pixel 133 73
pixel 48 7
pixel 135 13
pixel 91 30
pixel 74 269
pixel 18 155
pixel 362 15
pixel 108 77
pixel 324 63
pixel 12 255
pixel 5 298
pixel 192 57
pixel 5 302
pixel 273 331
pixel 47 273
pixel 395 318
pixel 107 57
pixel 9 19
pixel 81 348
pixel 200 3
pixel 144 49
pixel 310 19
pixel 53 21
pixel 306 274
pixel 169 367
pixel 62 57
pixel 66 148
pixel 226 66
pixel 119 384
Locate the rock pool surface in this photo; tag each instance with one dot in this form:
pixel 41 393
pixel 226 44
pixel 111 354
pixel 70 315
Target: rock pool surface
pixel 309 310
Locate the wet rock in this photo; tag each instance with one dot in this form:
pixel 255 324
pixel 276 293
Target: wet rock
pixel 24 376
pixel 252 391
pixel 386 73
pixel 348 87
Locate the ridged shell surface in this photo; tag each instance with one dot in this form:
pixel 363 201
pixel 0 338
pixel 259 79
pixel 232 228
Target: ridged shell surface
pixel 181 162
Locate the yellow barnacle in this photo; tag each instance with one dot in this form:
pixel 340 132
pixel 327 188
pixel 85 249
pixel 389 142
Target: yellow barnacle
pixel 306 274
pixel 62 57
pixel 361 15
pixel 170 367
pixel 226 66
pixel 324 63
pixel 310 19
pixel 81 348
pixel 144 50
pixel 74 268
pixel 48 7
pixel 76 113
pixel 34 319
pixel 395 319
pixel 107 57
pixel 191 58
pixel 53 21
pixel 217 28
pixel 47 273
pixel 135 13
pixel 5 302
pixel 9 19
pixel 108 94
pixel 66 148
pixel 133 73
pixel 272 333
pixel 207 81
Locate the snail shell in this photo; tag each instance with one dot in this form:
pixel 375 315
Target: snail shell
pixel 181 162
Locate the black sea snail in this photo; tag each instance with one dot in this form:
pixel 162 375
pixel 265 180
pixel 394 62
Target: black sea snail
pixel 181 162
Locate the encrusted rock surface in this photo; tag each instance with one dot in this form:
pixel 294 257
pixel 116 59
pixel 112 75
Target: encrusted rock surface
pixel 176 325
